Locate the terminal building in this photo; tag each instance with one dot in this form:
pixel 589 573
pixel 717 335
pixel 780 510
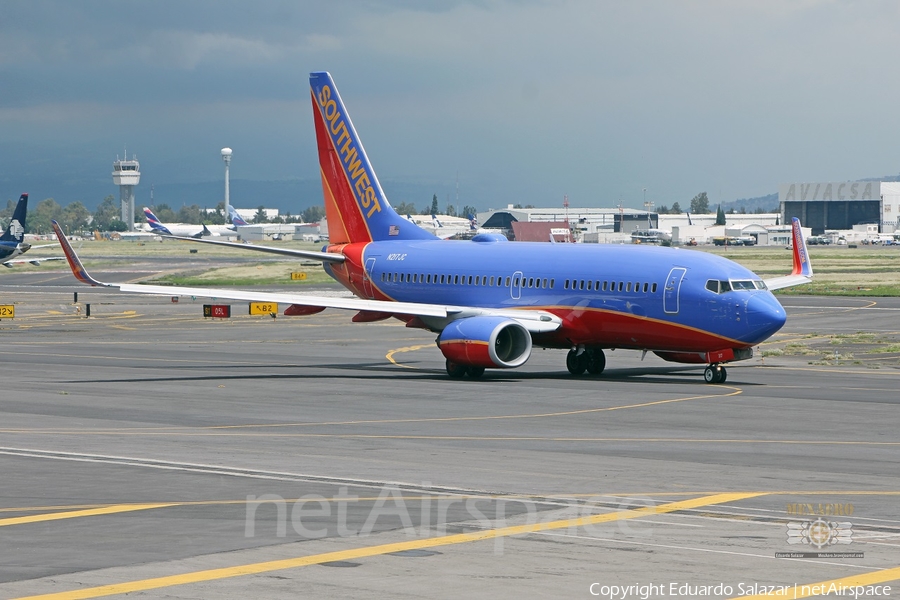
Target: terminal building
pixel 586 224
pixel 624 225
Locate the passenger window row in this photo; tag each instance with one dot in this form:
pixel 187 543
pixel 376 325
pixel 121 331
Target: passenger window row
pixel 609 286
pixel 481 280
pixel 525 282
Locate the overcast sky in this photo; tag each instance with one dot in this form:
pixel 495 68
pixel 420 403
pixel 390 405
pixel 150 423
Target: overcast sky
pixel 526 100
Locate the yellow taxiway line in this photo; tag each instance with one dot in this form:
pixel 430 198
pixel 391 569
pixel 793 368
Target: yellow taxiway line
pixel 381 549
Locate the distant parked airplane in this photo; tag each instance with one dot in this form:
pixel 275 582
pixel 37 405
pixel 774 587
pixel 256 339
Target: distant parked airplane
pixel 12 242
pixel 490 301
pixel 185 229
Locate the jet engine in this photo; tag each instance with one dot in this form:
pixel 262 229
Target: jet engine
pixel 485 341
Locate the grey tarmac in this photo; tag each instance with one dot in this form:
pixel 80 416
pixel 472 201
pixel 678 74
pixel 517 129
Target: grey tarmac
pixel 149 450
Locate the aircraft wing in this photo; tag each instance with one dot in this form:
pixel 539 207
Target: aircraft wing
pixel 310 254
pixel 34 261
pixel 533 320
pixel 802 272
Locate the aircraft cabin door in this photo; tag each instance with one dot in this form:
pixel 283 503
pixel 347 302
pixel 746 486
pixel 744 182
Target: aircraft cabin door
pixel 367 278
pixel 515 285
pixel 672 290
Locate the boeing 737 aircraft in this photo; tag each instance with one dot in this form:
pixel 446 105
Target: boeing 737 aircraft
pixel 12 242
pixel 490 301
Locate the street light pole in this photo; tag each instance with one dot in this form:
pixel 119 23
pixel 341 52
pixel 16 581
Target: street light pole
pixel 648 206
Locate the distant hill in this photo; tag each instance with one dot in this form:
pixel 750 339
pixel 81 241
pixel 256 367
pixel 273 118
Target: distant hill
pixel 768 203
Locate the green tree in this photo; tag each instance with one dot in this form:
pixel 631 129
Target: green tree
pixel 46 210
pixel 215 216
pixel 189 214
pixel 74 217
pixel 107 212
pixel 662 210
pixel 720 216
pixel 434 205
pixel 313 214
pixel 676 209
pixel 164 213
pixel 260 216
pixel 700 203
pixel 451 210
pixel 468 210
pixel 406 208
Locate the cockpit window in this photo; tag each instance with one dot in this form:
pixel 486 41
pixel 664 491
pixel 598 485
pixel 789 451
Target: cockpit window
pixel 722 286
pixel 717 286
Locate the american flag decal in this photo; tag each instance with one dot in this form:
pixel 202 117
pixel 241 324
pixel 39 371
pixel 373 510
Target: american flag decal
pixel 394 230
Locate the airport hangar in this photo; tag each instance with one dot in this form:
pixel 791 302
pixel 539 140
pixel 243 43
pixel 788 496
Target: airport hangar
pixel 841 205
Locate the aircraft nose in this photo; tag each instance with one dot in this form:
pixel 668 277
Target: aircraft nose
pixel 765 316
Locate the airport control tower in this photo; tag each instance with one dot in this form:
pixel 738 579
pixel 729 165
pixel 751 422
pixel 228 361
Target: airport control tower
pixel 127 174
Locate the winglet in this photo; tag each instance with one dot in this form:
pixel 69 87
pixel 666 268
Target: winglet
pixel 78 269
pixel 802 266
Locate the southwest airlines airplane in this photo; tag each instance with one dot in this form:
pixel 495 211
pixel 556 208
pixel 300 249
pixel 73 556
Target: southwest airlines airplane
pixel 490 301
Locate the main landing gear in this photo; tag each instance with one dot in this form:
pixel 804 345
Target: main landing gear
pixel 458 371
pixel 715 373
pixel 591 360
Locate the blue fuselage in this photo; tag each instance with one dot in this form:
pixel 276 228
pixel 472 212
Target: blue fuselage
pixel 607 295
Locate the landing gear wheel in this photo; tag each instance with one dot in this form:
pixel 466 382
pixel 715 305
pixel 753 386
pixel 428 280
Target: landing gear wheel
pixel 576 363
pixel 596 361
pixel 475 372
pixel 715 374
pixel 455 370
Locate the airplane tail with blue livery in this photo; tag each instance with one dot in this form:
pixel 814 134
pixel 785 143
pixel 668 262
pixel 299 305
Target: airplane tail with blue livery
pixel 12 242
pixel 236 219
pixel 355 205
pixel 15 230
pixel 155 223
pixel 490 301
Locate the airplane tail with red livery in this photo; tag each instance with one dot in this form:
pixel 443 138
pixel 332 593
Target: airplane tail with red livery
pixel 355 205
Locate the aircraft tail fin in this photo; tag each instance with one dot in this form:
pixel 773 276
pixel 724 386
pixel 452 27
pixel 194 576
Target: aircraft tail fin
pixel 154 223
pixel 15 231
pixel 236 219
pixel 355 205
